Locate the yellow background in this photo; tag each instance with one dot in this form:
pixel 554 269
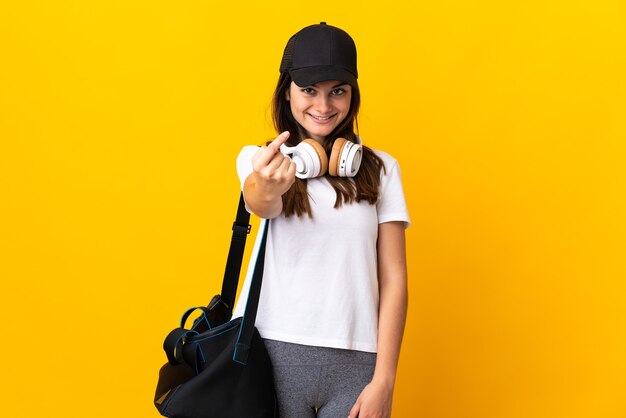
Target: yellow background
pixel 120 122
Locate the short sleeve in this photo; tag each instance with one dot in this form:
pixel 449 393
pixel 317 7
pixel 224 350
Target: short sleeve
pixel 244 162
pixel 244 166
pixel 391 205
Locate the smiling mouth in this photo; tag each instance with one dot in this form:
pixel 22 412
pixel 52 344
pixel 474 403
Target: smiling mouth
pixel 321 118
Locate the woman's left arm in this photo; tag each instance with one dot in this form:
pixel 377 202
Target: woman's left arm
pixel 375 400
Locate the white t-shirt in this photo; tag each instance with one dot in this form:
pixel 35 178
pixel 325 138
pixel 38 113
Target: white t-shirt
pixel 320 281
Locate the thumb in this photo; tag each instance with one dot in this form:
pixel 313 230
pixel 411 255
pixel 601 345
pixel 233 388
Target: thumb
pixel 354 412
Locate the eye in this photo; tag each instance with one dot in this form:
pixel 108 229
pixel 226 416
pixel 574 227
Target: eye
pixel 307 90
pixel 338 92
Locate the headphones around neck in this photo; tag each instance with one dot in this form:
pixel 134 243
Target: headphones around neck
pixel 311 159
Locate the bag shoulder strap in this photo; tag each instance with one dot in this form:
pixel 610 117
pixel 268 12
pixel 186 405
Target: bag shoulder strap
pixel 241 229
pixel 246 332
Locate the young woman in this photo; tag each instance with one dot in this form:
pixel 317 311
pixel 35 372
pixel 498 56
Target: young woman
pixel 334 297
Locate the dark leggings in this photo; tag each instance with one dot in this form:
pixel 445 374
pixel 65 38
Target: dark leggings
pixel 318 381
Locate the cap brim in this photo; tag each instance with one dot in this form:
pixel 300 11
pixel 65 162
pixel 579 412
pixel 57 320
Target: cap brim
pixel 310 75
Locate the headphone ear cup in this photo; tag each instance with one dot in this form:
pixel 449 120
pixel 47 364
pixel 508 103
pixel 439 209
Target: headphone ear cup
pixel 321 154
pixel 335 156
pixel 345 158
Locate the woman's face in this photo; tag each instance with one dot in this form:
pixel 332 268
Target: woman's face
pixel 321 107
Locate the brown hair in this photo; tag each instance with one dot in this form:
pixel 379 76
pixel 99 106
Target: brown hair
pixel 363 186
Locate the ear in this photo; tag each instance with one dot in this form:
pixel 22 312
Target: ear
pixel 287 96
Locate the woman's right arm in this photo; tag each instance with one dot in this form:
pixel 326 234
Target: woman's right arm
pixel 272 175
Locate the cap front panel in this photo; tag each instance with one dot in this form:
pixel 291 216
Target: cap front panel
pixel 312 48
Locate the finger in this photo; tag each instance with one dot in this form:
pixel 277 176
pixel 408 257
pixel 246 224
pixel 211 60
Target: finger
pixel 280 139
pixel 258 152
pixel 262 157
pixel 276 162
pixel 354 412
pixel 285 163
pixel 288 170
pixel 266 153
pixel 291 173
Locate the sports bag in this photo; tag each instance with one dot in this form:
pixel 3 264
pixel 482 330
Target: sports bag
pixel 219 367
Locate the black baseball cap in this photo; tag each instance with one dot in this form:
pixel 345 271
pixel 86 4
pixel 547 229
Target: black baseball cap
pixel 318 53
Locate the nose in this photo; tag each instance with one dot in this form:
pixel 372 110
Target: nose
pixel 323 105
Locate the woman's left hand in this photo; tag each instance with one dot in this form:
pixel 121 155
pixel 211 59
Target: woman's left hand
pixel 374 401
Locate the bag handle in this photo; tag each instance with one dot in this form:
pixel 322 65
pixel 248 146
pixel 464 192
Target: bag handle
pixel 241 228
